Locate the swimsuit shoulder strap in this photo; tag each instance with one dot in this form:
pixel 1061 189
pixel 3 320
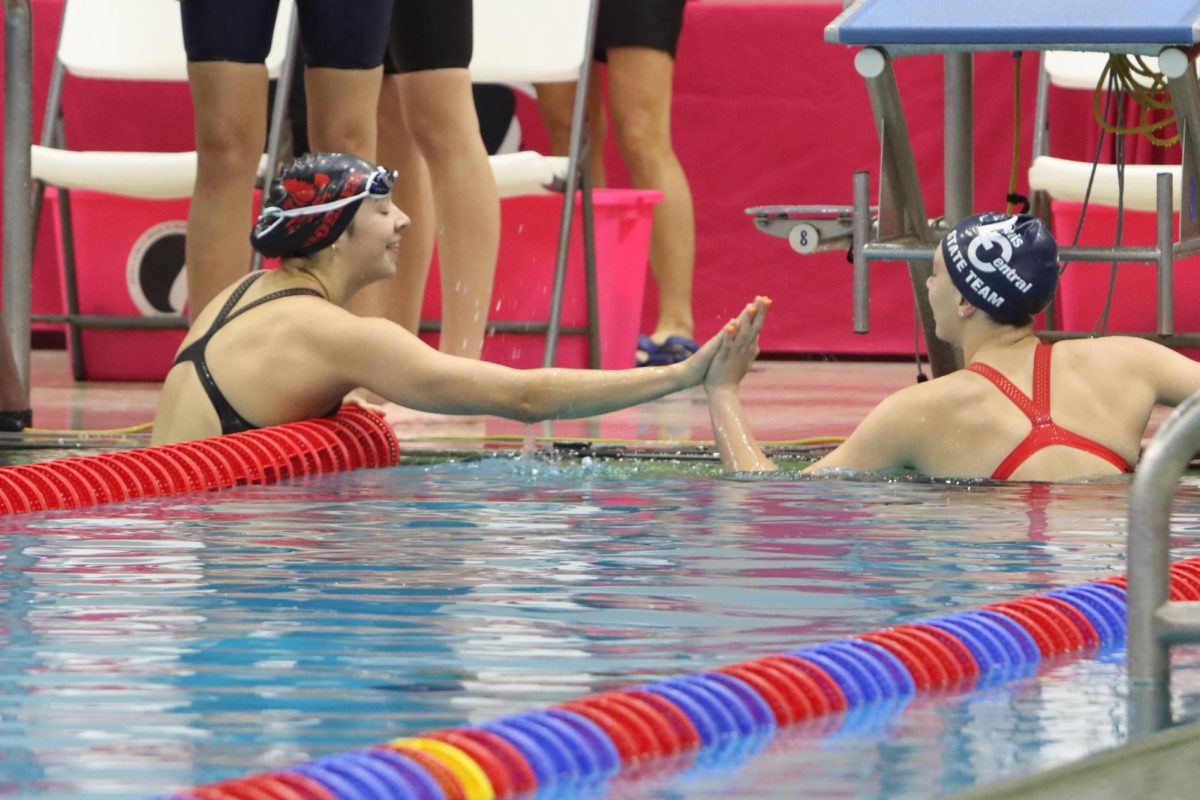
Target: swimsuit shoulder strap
pixel 231 420
pixel 196 349
pixel 294 292
pixel 1009 389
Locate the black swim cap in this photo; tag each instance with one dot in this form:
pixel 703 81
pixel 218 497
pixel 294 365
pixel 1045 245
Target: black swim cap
pixel 313 201
pixel 1006 265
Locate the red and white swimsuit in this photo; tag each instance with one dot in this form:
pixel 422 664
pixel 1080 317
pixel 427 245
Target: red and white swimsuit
pixel 1045 431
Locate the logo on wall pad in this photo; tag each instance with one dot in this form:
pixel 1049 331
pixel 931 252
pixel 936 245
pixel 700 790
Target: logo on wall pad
pixel 155 273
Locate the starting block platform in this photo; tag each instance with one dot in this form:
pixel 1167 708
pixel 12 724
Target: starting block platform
pixel 1119 26
pixel 808 229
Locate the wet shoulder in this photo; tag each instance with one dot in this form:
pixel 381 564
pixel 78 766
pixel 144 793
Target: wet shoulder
pixel 938 401
pixel 1102 358
pixel 301 318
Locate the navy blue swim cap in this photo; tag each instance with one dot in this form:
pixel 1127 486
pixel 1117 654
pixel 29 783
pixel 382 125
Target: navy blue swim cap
pixel 313 200
pixel 1006 265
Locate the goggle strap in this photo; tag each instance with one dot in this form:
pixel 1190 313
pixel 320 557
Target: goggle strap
pixel 277 214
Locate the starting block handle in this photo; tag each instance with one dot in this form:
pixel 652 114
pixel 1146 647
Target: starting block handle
pixel 861 229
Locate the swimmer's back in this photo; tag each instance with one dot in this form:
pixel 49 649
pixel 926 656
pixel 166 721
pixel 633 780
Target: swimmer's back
pixel 1101 389
pixel 261 361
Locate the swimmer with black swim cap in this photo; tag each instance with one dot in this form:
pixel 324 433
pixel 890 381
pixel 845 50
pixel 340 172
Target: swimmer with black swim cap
pixel 997 418
pixel 278 346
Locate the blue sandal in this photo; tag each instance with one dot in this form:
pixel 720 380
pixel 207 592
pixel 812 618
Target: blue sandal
pixel 672 351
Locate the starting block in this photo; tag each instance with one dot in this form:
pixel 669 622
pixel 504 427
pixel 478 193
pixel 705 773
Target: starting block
pixel 881 30
pixel 810 229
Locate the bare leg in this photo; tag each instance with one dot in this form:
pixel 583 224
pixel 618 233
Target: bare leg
pixel 440 114
pixel 11 394
pixel 639 93
pixel 230 104
pixel 556 103
pixel 342 118
pixel 400 298
pixel 341 109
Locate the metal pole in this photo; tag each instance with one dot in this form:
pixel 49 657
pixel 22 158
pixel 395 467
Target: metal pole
pixel 902 188
pixel 1176 64
pixel 861 230
pixel 1041 124
pixel 18 214
pixel 1166 256
pixel 591 281
pixel 70 285
pixel 959 137
pixel 578 132
pixel 52 135
pixel 1174 340
pixel 1148 545
pixel 1039 200
pixel 279 109
pixel 889 251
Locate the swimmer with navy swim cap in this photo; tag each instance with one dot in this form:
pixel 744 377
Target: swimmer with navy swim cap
pixel 279 345
pixel 998 417
pixel 1006 265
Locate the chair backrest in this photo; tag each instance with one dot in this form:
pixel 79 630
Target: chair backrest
pixel 139 39
pixel 1064 179
pixel 528 40
pixel 1070 69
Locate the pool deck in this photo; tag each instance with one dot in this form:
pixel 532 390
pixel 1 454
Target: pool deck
pixel 1160 766
pixel 785 400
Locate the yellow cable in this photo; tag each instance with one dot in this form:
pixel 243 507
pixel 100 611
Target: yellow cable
pixel 140 428
pixel 1154 98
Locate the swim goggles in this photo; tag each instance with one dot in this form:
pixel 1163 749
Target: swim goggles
pixel 378 187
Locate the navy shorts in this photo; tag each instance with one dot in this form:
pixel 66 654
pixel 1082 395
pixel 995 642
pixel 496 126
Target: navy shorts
pixel 639 23
pixel 337 34
pixel 430 34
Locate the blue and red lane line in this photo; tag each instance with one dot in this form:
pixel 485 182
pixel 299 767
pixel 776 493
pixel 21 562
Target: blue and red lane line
pixel 572 749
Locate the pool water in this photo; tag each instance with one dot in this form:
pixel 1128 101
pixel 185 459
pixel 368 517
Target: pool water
pixel 157 644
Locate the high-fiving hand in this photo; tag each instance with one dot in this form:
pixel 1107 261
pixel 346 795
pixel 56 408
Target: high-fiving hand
pixel 733 360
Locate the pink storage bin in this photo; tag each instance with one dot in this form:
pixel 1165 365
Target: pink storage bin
pixel 128 257
pixel 128 261
pixel 525 278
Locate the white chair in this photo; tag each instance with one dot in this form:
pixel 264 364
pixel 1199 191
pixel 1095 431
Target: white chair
pixel 1065 179
pixel 545 41
pixel 127 40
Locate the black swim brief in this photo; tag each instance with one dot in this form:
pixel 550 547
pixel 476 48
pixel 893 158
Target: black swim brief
pixel 639 23
pixel 430 35
pixel 337 34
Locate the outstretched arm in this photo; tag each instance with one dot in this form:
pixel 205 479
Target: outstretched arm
pixel 388 360
pixel 1175 377
pixel 735 441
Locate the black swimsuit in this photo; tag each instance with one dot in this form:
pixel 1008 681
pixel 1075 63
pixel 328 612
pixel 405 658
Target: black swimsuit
pixel 231 420
pixel 639 23
pixel 428 35
pixel 337 34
